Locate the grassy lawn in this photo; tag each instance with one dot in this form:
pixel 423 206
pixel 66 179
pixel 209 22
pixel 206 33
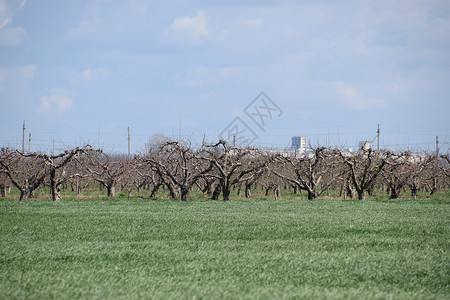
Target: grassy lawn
pixel 242 249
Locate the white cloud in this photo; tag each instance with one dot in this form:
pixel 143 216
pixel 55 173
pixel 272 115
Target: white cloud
pixel 28 71
pixel 16 77
pixel 93 24
pixel 108 19
pixel 188 122
pixel 45 104
pixel 89 28
pixel 93 74
pixel 3 76
pixel 89 76
pixel 59 101
pixel 355 100
pixel 4 21
pixel 188 30
pixel 198 77
pixel 10 36
pixel 201 76
pixel 2 6
pixel 253 23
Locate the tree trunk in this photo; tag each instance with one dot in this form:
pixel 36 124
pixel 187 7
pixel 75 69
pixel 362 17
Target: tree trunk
pixel 395 192
pixel 344 185
pixel 3 190
pixel 311 195
pixel 25 191
pixel 350 191
pixel 434 186
pixel 216 193
pixel 55 192
pixel 276 193
pixel 154 190
pixel 172 192
pixel 267 190
pixel 226 193
pixel 24 195
pixel 53 186
pixel 361 194
pixel 414 191
pixel 207 188
pixel 248 192
pixel 111 190
pixel 184 193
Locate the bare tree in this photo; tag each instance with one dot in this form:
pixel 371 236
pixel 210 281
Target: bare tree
pixel 397 172
pixel 445 170
pixel 310 172
pixel 205 184
pixel 179 165
pixel 271 182
pixel 130 177
pixel 257 174
pixel 364 167
pixel 4 181
pixel 417 165
pixel 56 165
pixel 105 170
pixel 436 172
pixel 26 172
pixel 446 166
pixel 145 176
pixel 347 188
pixel 232 165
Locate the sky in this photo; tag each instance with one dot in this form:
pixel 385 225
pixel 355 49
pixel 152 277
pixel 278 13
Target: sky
pixel 83 72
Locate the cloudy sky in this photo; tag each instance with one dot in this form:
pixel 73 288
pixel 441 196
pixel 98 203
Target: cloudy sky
pixel 84 71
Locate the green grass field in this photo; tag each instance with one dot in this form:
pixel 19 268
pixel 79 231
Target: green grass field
pixel 244 249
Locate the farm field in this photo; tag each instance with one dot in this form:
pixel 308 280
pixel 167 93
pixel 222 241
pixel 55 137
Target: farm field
pixel 242 249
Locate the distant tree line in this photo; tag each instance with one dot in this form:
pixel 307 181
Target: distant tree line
pixel 217 169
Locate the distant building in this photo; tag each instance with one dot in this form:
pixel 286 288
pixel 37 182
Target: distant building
pixel 299 143
pixel 298 146
pixel 364 145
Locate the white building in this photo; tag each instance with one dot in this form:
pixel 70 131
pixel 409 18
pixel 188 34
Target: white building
pixel 299 144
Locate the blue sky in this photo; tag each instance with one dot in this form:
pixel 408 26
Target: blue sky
pixel 83 71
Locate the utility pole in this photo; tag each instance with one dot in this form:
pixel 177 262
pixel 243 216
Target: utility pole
pixel 378 139
pixel 98 139
pixel 77 182
pixel 179 131
pixel 29 143
pixel 129 148
pixel 437 146
pixel 23 138
pixel 234 141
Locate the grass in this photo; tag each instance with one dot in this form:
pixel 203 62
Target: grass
pixel 244 249
pixel 94 192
